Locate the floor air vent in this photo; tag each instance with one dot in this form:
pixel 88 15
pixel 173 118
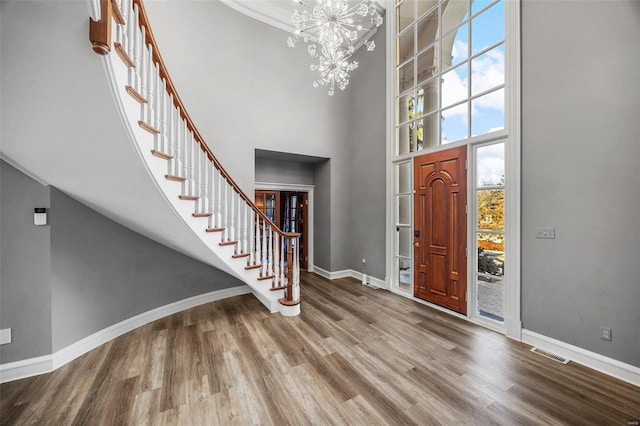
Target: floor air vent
pixel 550 355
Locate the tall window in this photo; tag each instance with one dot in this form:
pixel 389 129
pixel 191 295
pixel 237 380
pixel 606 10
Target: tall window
pixel 403 246
pixel 453 74
pixel 489 230
pixel 449 80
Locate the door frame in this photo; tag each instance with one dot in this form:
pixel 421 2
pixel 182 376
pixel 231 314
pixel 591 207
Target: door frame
pixel 513 153
pixel 291 187
pixel 459 245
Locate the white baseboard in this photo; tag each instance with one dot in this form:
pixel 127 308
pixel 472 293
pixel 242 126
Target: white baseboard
pixel 47 363
pixel 372 281
pixel 369 280
pixel 322 272
pixel 606 365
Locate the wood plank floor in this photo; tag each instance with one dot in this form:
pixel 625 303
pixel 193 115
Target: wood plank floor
pixel 355 356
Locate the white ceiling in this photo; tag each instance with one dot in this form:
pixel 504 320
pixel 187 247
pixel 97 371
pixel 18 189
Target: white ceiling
pixel 272 12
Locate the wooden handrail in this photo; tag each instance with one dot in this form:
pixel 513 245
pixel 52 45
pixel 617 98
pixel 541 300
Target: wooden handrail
pixel 157 58
pixel 100 36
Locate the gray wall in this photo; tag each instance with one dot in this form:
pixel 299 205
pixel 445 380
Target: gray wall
pixel 249 91
pixel 243 87
pixel 25 267
pixel 367 161
pixel 322 216
pixel 81 273
pixel 279 171
pixel 581 173
pixel 103 273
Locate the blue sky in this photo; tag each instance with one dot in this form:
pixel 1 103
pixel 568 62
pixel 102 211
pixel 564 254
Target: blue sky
pixel 486 72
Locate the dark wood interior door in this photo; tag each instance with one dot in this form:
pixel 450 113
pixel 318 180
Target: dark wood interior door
pixel 269 203
pixel 289 212
pixel 295 220
pixel 440 229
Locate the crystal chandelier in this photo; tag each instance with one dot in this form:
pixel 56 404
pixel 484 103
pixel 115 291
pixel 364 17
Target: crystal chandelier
pixel 334 30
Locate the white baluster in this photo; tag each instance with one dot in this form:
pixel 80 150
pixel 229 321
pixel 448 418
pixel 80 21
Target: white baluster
pixel 225 211
pixel 234 216
pixel 276 260
pixel 283 256
pixel 177 153
pixel 203 181
pixel 126 14
pixel 186 158
pixel 263 251
pixel 245 224
pixel 136 50
pixel 156 103
pixel 165 108
pixel 210 191
pixel 296 273
pixel 171 134
pixel 192 164
pixel 270 251
pixel 204 198
pixel 197 176
pixel 127 11
pixel 250 241
pixel 132 24
pixel 142 73
pixel 184 141
pixel 232 202
pixel 119 27
pixel 257 241
pixel 218 200
pixel 151 88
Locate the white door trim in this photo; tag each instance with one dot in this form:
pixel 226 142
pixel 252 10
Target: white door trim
pixel 293 187
pixel 512 314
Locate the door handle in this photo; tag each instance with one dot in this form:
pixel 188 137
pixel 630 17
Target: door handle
pixel 416 244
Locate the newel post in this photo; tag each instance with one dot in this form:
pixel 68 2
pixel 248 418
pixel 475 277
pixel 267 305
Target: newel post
pixel 289 296
pixel 100 31
pixel 292 299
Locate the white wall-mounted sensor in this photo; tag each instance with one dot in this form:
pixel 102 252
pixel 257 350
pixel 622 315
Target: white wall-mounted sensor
pixel 40 216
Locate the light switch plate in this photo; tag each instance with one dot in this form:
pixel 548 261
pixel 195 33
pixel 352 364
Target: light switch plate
pixel 5 336
pixel 549 233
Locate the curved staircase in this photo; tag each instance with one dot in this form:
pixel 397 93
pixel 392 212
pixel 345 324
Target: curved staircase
pixel 241 238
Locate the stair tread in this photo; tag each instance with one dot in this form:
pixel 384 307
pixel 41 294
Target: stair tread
pixel 124 56
pixel 281 287
pixel 266 277
pixel 252 267
pixel 148 127
pixel 161 154
pixel 175 178
pixel 240 255
pixel 189 197
pixel 284 301
pixel 135 95
pixel 228 243
pixel 214 229
pixel 201 214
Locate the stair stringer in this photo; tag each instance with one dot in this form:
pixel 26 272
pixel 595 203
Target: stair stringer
pixel 143 142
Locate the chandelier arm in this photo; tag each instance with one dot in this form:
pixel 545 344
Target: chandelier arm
pixel 332 29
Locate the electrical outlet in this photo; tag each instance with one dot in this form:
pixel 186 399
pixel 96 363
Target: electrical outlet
pixel 5 336
pixel 605 333
pixel 549 233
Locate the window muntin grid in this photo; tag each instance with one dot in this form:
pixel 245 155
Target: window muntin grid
pixel 452 87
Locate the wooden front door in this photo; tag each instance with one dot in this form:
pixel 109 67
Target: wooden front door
pixel 440 229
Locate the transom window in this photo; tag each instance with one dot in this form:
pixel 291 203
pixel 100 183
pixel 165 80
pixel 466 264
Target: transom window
pixel 450 74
